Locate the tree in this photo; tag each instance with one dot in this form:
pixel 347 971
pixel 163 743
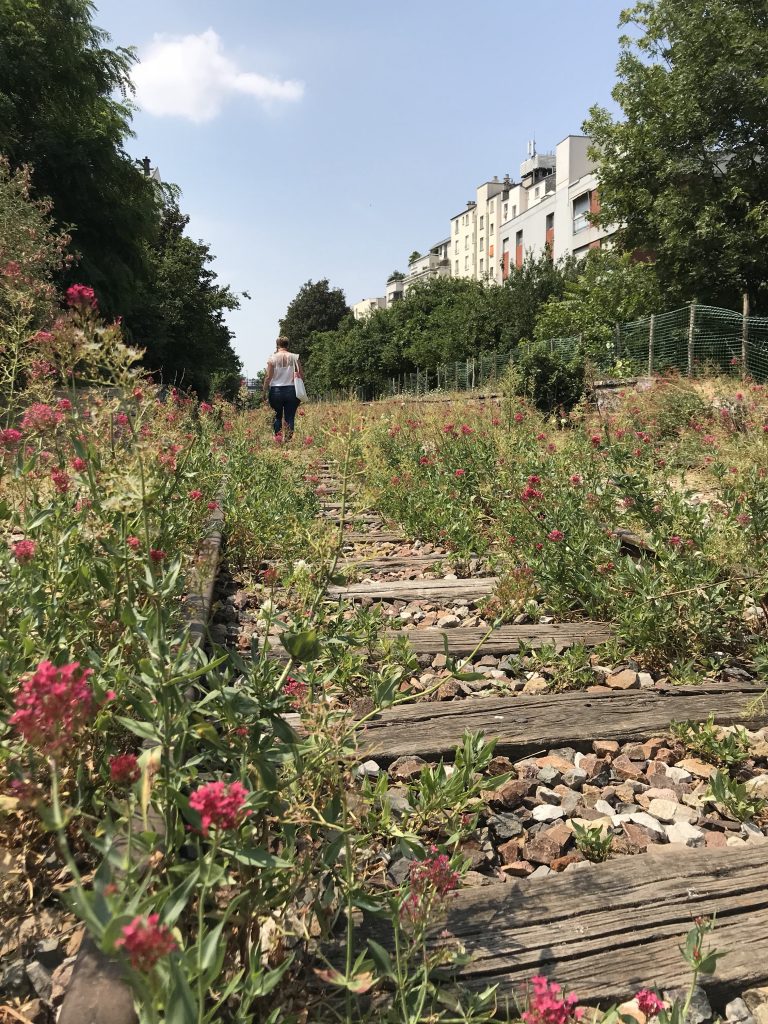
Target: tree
pixel 64 109
pixel 316 308
pixel 415 255
pixel 611 288
pixel 183 310
pixel 685 172
pixel 530 286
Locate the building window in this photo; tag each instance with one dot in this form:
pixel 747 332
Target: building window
pixel 457 227
pixel 536 192
pixel 514 211
pixel 457 268
pixel 490 228
pixel 466 242
pixel 580 213
pixel 466 262
pixel 506 211
pixel 481 223
pixel 481 266
pixel 490 206
pixel 481 242
pixel 456 249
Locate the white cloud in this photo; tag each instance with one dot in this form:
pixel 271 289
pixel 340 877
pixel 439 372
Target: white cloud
pixel 192 77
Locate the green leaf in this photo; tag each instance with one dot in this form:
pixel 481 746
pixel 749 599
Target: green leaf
pixel 303 647
pixel 381 958
pixel 257 858
pixel 40 518
pixel 145 730
pixel 181 1007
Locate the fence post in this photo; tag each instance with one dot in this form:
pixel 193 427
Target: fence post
pixel 691 330
pixel 473 373
pixel 745 334
pixel 651 341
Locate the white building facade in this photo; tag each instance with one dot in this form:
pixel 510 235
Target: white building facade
pixel 365 307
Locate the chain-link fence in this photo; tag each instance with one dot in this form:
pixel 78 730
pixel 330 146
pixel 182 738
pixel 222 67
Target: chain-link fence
pixel 693 340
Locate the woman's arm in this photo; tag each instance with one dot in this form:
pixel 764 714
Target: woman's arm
pixel 299 368
pixel 268 380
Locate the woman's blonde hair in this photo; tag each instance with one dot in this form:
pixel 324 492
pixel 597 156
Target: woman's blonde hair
pixel 282 342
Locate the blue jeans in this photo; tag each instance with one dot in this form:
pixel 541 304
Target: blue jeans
pixel 285 403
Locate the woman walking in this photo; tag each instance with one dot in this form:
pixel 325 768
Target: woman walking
pixel 283 370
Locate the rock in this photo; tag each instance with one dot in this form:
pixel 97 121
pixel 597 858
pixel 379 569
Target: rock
pixel 561 863
pixel 504 827
pixel 509 851
pixel 547 774
pixel 624 768
pixel 35 1011
pixel 399 870
pixel 632 1009
pixel 651 748
pixel 757 1003
pixel 624 680
pixel 545 812
pixel 439 661
pixel 650 823
pixel 14 982
pixel 715 840
pixel 758 786
pixel 474 852
pixel 738 1012
pixel 450 688
pixel 511 794
pixel 397 801
pixel 536 685
pixel 699 1012
pixel 570 801
pixel 665 810
pixel 603 807
pixel 634 752
pixel 592 765
pixel 500 765
pixel 694 766
pixel 645 679
pixel 60 980
pixel 40 979
pixel 548 844
pixel 575 778
pixel 637 837
pixel 547 796
pixel 518 869
pixel 473 879
pixel 751 832
pixel 605 748
pixel 369 768
pixel 405 768
pixel 448 622
pixel 735 841
pixel 541 872
pixel 677 774
pixel 687 835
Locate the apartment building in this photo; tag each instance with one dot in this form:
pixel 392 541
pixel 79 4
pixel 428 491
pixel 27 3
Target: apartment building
pixel 365 307
pixel 435 263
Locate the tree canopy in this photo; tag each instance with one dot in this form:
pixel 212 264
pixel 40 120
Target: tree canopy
pixel 315 309
pixel 684 172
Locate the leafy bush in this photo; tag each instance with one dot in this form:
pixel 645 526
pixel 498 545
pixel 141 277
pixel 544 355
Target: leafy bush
pixel 552 378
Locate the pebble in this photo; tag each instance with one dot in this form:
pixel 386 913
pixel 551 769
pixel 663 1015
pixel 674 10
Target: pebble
pixel 682 832
pixel 700 1011
pixel 369 768
pixel 624 680
pixel 738 1012
pixel 665 810
pixel 677 774
pixel 545 812
pixel 448 622
pixel 757 1002
pixel 541 872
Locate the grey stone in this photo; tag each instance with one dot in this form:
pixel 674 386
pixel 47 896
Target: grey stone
pixel 603 807
pixel 738 1012
pixel 397 801
pixel 575 778
pixel 40 978
pixel 547 796
pixel 545 812
pixel 687 835
pixel 649 822
pixel 757 1002
pixel 699 1012
pixel 678 775
pixel 369 768
pixel 398 870
pixel 505 826
pixel 541 872
pixel 665 810
pixel 14 982
pixel 548 774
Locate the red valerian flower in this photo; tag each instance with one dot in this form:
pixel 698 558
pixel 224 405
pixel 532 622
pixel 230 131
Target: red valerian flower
pixel 575 479
pixel 60 480
pixel 195 495
pixel 295 690
pixel 649 1003
pixel 124 769
pixel 24 551
pixel 519 417
pixel 52 705
pixel 205 408
pixel 40 416
pixel 269 577
pixel 157 554
pixel 133 542
pixel 64 405
pixel 10 438
pixel 219 805
pixel 547 1005
pixel 430 877
pixel 466 429
pixel 309 441
pixel 460 472
pixel 555 535
pixel 675 541
pixel 531 494
pixel 212 506
pixel 596 440
pixel 78 464
pixel 80 296
pixel 146 942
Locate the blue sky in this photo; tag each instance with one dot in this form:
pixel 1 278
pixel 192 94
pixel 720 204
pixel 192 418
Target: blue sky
pixel 332 139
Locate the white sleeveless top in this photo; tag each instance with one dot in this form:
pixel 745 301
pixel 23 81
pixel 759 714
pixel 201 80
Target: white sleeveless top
pixel 283 365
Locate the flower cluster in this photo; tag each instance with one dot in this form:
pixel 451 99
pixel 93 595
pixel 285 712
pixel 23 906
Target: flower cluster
pixel 40 416
pixel 146 941
pixel 295 690
pixel 649 1003
pixel 547 1004
pixel 219 804
pixel 52 705
pixel 124 769
pixel 428 878
pixel 80 296
pixel 24 551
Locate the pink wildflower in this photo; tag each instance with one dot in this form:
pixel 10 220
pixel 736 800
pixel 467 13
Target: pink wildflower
pixel 596 440
pixel 61 480
pixel 575 479
pixel 9 438
pixel 430 877
pixel 295 690
pixel 519 417
pixel 124 769
pixel 52 705
pixel 146 942
pixel 80 296
pixel 555 535
pixel 40 416
pixel 548 1006
pixel 675 541
pixel 24 551
pixel 78 464
pixel 195 495
pixel 64 405
pixel 205 408
pixel 460 472
pixel 466 429
pixel 157 554
pixel 309 441
pixel 212 506
pixel 649 1003
pixel 219 804
pixel 11 269
pixel 133 542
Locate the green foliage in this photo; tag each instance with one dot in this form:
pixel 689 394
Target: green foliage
pixel 705 739
pixel 611 289
pixel 685 171
pixel 593 842
pixel 552 377
pixel 316 308
pixel 734 797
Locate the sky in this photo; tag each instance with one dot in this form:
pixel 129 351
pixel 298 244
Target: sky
pixel 331 139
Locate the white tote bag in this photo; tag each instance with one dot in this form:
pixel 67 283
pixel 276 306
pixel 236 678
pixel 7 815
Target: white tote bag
pixel 298 382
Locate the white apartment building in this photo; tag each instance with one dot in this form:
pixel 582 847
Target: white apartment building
pixel 435 263
pixel 365 307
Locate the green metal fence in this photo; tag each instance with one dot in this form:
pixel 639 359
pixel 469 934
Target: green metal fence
pixel 694 339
